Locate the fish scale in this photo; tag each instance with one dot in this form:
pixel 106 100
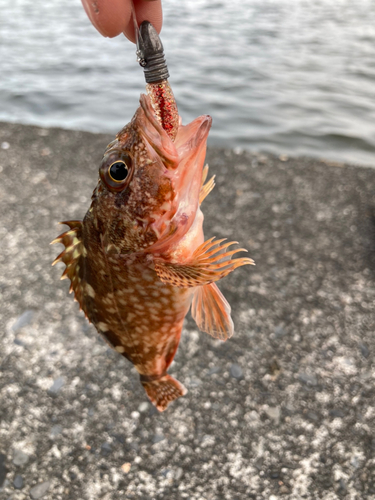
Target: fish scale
pixel 138 260
pixel 137 316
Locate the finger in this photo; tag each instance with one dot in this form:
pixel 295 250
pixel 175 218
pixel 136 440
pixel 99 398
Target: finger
pixel 145 10
pixel 108 17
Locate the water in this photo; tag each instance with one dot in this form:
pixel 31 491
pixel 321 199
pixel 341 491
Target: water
pixel 290 77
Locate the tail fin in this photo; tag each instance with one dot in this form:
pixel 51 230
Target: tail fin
pixel 163 390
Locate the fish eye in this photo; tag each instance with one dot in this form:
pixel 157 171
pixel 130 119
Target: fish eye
pixel 118 171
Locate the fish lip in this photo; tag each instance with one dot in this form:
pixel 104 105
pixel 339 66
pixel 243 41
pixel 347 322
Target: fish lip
pixel 197 136
pixel 153 133
pixel 191 147
pixel 186 178
pixel 204 129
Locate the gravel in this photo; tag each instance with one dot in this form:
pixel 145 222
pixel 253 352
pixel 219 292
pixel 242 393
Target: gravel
pixel 3 469
pixel 23 320
pixel 39 490
pixel 284 410
pixel 236 371
pixel 20 458
pixel 56 387
pixel 18 482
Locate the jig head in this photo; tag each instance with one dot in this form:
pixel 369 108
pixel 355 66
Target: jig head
pixel 150 53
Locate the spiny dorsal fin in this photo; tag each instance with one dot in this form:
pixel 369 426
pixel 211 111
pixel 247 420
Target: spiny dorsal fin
pixel 208 187
pixel 72 256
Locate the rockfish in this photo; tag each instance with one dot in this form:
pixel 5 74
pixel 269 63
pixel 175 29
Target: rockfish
pixel 138 260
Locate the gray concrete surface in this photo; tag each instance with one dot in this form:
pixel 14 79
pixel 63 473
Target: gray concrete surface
pixel 283 410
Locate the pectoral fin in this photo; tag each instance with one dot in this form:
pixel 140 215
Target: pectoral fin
pixel 210 262
pixel 211 312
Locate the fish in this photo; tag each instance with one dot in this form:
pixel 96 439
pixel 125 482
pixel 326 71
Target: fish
pixel 138 260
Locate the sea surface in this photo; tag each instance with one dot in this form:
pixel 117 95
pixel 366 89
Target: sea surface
pixel 292 77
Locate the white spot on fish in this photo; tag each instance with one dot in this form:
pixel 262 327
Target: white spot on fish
pixel 140 369
pixel 103 327
pixel 165 206
pixel 111 248
pixel 90 291
pixel 148 277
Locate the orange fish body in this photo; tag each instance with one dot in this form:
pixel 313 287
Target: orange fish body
pixel 138 260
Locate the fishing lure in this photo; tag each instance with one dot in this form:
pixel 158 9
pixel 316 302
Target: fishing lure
pixel 138 260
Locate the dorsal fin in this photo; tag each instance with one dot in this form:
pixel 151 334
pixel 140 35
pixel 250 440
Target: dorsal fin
pixel 208 187
pixel 72 256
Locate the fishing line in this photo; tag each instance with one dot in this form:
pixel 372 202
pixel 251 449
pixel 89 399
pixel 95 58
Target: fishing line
pixel 138 37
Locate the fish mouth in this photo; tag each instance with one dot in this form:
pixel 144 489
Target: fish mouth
pixel 181 160
pixel 191 145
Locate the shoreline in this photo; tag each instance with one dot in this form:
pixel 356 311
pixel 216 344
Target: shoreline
pixel 330 161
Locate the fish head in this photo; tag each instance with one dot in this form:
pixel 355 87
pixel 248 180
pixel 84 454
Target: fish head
pixel 147 195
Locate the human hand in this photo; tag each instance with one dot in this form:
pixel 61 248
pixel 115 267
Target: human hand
pixel 111 17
